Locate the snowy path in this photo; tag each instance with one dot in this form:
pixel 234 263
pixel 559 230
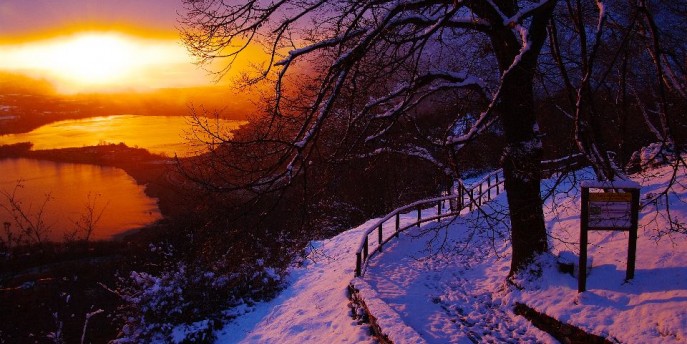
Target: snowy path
pixel 447 284
pixel 313 308
pixel 479 315
pixel 448 296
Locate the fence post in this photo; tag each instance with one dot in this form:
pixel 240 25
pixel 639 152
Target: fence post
pixel 419 216
pixel 472 198
pixel 438 211
pixel 479 197
pixel 365 252
pixel 358 264
pixel 380 236
pixel 398 223
pixel 489 188
pixel 460 195
pixel 497 184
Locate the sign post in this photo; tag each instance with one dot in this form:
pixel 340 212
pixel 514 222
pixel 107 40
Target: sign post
pixel 613 207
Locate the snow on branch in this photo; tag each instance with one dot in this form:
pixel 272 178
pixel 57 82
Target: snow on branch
pixel 445 20
pixel 405 106
pixel 526 12
pixel 319 45
pixel 452 79
pixel 412 151
pixel 486 119
pixel 497 10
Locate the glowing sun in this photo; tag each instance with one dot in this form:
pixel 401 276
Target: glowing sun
pixel 104 60
pixel 93 58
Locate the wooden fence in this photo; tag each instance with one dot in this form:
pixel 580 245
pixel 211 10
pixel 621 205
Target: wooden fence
pixel 464 197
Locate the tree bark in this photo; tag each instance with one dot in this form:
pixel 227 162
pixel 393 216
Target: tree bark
pixel 521 162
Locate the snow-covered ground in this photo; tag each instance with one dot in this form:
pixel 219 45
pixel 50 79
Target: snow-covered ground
pixel 445 281
pixel 651 308
pixel 314 307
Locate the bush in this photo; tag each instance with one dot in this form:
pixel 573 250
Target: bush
pixel 184 300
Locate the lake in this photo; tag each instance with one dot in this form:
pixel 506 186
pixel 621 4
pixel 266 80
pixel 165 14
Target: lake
pixel 158 134
pixel 125 204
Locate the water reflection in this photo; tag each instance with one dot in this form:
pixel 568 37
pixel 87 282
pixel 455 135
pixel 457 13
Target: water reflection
pixel 125 204
pixel 158 134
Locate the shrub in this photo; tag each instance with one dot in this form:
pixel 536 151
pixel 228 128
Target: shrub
pixel 184 300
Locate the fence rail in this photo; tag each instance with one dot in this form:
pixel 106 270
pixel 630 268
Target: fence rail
pixel 464 197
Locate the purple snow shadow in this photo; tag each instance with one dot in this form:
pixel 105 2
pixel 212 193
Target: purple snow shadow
pixel 656 285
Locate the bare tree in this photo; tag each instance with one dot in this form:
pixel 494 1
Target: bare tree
pixel 88 220
pixel 396 53
pixel 661 26
pixel 612 58
pixel 30 222
pixel 9 238
pixel 626 58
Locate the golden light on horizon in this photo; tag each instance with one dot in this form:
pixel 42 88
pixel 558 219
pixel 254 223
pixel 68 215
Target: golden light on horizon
pixel 102 61
pixel 91 58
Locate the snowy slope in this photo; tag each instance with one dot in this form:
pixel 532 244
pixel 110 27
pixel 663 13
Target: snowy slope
pixel 313 308
pixel 446 282
pixel 651 308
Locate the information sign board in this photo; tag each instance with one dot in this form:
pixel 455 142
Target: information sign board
pixel 616 208
pixel 610 210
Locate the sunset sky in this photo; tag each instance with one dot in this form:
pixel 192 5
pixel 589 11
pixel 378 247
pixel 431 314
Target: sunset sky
pixel 22 17
pixel 86 45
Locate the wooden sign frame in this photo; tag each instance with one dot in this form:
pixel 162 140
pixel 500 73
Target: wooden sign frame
pixel 608 213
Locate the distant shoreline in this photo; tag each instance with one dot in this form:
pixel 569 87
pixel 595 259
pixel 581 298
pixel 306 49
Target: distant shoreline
pixel 147 169
pixel 24 108
pixel 17 125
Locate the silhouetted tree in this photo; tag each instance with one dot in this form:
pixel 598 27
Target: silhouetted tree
pixel 396 53
pixel 359 73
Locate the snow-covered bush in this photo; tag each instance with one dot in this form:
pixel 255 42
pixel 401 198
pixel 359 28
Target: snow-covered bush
pixel 653 155
pixel 185 301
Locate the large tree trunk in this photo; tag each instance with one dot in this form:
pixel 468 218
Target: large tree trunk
pixel 521 160
pixel 521 163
